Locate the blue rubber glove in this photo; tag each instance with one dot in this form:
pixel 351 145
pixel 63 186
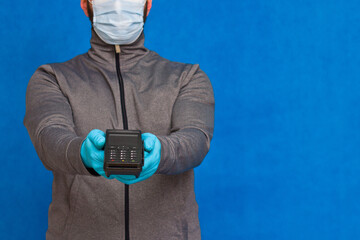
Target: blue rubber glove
pixel 152 155
pixel 92 153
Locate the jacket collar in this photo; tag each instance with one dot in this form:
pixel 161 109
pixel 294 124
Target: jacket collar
pixel 105 53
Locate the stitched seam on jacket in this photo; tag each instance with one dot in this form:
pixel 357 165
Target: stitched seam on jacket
pixel 184 220
pixel 67 154
pixel 173 156
pixel 72 210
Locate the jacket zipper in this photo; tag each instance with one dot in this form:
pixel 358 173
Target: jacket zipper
pixel 125 125
pixel 121 86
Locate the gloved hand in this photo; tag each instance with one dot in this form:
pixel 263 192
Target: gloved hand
pixel 152 154
pixel 92 152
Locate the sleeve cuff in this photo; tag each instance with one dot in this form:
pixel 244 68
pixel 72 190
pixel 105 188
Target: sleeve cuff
pixel 164 164
pixel 74 158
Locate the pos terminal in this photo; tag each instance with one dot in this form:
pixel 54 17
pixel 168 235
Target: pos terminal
pixel 124 152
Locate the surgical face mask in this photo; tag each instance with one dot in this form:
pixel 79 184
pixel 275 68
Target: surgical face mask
pixel 118 22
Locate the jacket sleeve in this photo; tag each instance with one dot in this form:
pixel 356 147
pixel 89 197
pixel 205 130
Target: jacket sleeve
pixel 49 122
pixel 192 125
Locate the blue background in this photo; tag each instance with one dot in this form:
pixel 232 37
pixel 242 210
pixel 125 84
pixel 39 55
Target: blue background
pixel 284 161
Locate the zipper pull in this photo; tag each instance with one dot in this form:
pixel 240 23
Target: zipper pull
pixel 117 49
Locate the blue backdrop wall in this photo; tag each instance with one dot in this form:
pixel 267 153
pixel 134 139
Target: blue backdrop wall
pixel 285 157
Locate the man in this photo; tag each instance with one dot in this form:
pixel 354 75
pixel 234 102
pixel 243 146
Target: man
pixel 119 84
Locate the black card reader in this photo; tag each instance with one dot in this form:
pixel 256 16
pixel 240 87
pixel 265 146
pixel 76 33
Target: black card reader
pixel 124 152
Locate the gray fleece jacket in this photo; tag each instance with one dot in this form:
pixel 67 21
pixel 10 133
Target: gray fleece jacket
pixel 174 101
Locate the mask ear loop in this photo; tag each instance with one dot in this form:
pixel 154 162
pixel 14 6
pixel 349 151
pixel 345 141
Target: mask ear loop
pixel 93 15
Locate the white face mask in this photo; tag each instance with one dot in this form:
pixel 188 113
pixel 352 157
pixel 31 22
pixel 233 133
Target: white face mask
pixel 118 22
